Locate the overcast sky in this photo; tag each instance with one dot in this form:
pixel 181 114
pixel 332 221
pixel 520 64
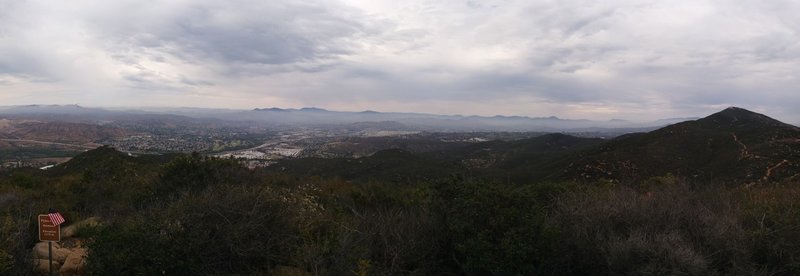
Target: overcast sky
pixel 636 60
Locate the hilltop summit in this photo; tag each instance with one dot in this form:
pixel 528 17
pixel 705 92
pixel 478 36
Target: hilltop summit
pixel 733 145
pixel 739 117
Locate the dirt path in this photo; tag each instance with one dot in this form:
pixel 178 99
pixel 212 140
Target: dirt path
pixel 743 153
pixel 770 169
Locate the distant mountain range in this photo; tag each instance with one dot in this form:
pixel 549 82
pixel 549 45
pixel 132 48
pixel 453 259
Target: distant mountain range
pixel 318 117
pixel 732 146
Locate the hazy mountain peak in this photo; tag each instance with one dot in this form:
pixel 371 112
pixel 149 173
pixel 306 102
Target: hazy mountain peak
pixel 270 109
pixel 312 109
pixel 739 116
pixel 734 145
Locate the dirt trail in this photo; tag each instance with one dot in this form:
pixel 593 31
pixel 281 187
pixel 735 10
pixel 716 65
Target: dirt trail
pixel 770 169
pixel 744 153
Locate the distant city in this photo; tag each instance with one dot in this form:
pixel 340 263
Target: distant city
pixel 44 135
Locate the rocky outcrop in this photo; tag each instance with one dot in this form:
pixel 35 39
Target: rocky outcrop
pixel 70 231
pixel 40 266
pixel 40 250
pixel 75 264
pixel 69 255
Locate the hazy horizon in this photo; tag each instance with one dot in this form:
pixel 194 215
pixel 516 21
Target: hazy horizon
pixel 171 109
pixel 636 61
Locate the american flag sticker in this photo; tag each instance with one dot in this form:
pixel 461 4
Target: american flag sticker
pixel 56 218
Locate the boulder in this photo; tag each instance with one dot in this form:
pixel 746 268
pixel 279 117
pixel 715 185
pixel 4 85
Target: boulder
pixel 69 256
pixel 40 250
pixel 72 229
pixel 75 263
pixel 60 254
pixel 40 266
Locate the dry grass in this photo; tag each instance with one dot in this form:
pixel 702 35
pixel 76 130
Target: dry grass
pixel 675 228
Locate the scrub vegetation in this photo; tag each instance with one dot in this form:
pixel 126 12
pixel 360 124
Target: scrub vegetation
pixel 189 214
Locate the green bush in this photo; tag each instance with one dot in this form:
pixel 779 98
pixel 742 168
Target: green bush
pixel 497 229
pixel 386 231
pixel 6 262
pixel 197 172
pixel 137 248
pixel 222 230
pixel 17 230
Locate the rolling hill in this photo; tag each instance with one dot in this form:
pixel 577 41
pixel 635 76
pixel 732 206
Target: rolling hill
pixel 732 146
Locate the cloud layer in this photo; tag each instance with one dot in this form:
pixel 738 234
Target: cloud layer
pixel 570 58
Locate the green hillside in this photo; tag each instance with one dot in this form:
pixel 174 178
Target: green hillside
pixel 732 146
pixel 401 213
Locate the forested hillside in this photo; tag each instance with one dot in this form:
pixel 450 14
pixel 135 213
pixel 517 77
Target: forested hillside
pixel 553 204
pixel 190 214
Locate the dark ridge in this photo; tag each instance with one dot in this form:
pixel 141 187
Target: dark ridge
pixel 733 146
pixel 91 158
pixel 107 156
pixel 314 109
pixel 735 116
pixel 271 109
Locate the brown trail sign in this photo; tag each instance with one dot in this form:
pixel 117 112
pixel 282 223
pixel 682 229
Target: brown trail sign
pixel 48 231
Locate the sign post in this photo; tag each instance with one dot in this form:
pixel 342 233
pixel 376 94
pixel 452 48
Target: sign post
pixel 50 233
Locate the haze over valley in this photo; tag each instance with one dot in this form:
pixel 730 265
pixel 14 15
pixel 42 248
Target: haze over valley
pixel 35 134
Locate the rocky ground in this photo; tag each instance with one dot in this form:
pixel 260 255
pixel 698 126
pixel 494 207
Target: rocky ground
pixel 69 255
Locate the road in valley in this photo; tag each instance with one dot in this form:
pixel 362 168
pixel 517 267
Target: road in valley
pixel 50 143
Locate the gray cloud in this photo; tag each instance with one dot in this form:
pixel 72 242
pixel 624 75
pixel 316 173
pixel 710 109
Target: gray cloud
pixel 235 32
pixel 600 59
